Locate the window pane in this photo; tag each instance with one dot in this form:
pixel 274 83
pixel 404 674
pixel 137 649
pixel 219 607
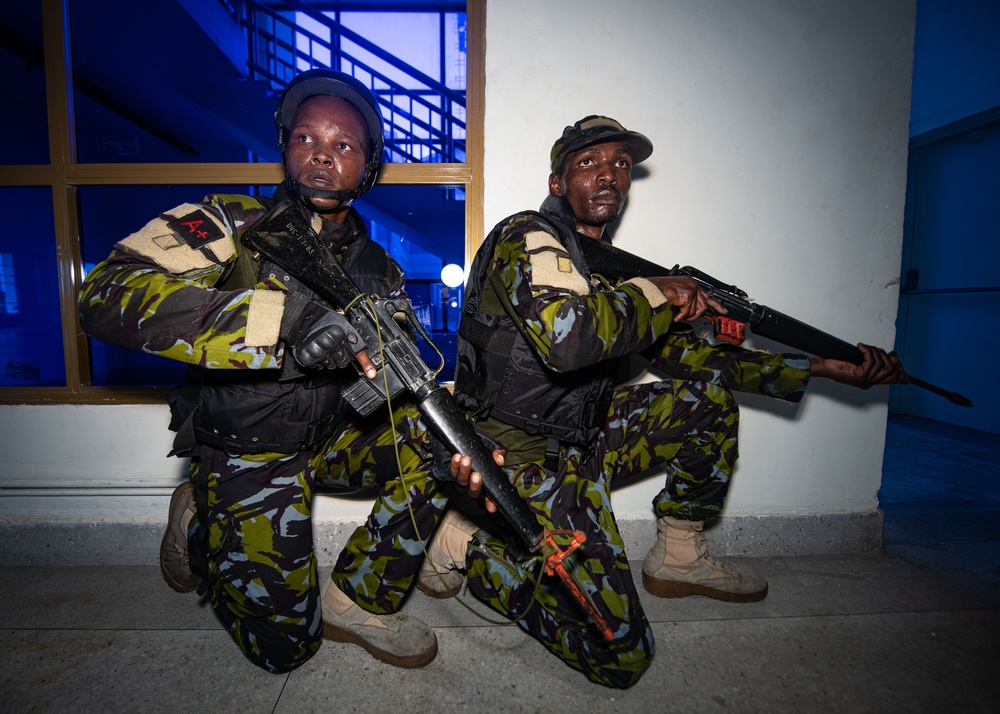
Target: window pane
pixel 426 120
pixel 421 227
pixel 209 93
pixel 180 94
pixel 31 349
pixel 454 51
pixel 24 135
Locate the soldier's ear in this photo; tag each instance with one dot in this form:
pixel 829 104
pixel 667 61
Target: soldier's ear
pixel 554 187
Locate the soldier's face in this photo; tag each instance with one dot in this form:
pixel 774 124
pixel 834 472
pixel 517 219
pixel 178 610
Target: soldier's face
pixel 327 149
pixel 595 181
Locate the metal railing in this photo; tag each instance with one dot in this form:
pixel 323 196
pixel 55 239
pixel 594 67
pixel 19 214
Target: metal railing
pixel 425 121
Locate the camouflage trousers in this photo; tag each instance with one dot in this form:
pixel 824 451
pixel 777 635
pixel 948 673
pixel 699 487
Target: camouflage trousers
pixel 252 541
pixel 687 427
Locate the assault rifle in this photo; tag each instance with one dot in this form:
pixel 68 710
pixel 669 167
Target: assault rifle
pixel 285 237
pixel 741 312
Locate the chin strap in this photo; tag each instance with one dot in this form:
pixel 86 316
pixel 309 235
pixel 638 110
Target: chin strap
pixel 345 197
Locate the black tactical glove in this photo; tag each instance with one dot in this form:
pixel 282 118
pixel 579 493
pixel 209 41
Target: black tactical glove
pixel 324 339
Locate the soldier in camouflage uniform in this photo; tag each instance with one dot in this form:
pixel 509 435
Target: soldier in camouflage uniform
pixel 261 418
pixel 541 340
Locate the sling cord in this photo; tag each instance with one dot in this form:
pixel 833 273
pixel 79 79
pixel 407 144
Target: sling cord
pixel 413 519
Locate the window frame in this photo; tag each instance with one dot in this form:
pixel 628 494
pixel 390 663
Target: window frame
pixel 64 175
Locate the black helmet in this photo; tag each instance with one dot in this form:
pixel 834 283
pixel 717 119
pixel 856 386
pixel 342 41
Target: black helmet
pixel 329 82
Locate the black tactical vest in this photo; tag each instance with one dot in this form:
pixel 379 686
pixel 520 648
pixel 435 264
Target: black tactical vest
pixel 500 375
pixel 255 411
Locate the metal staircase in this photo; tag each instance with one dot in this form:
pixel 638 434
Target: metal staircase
pixel 425 120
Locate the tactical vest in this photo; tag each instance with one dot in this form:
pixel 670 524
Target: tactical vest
pixel 256 411
pixel 500 375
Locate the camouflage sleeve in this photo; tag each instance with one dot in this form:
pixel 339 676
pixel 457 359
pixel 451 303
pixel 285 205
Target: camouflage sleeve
pixel 570 324
pixel 155 293
pixel 683 355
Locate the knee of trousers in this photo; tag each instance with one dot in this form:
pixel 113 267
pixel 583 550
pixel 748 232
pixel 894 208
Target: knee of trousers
pixel 621 662
pixel 276 633
pixel 277 646
pixel 276 626
pixel 277 629
pixel 618 663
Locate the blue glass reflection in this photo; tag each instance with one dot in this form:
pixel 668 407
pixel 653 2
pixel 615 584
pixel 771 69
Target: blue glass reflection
pixel 31 349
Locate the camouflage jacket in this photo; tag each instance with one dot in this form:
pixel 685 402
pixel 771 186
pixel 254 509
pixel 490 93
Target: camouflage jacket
pixel 174 289
pixel 541 338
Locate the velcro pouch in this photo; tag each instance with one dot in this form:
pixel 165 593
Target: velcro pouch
pixel 187 239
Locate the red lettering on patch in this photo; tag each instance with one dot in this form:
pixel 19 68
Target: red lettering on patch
pixel 192 227
pixel 196 229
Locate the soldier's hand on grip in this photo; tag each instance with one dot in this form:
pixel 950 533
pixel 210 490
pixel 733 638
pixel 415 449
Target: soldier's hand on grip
pixel 878 367
pixel 689 299
pixel 325 339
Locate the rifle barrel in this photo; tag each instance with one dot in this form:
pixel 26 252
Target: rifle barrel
pixel 616 263
pixel 952 397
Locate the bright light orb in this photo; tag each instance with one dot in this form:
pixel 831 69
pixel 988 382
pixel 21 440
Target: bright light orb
pixel 452 275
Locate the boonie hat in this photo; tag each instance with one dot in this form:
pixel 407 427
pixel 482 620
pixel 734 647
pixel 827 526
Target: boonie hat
pixel 595 129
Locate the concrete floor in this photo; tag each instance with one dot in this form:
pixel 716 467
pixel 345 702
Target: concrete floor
pixel 914 628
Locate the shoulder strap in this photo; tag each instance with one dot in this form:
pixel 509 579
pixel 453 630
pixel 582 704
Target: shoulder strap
pixel 241 274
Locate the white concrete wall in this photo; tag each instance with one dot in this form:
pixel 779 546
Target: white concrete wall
pixel 106 464
pixel 780 129
pixel 780 135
